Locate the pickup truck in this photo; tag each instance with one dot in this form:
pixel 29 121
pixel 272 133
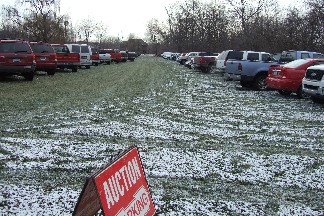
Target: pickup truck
pixel 65 58
pixel 313 83
pixel 104 57
pixel 182 59
pixel 291 55
pixel 251 73
pixel 115 55
pixel 204 61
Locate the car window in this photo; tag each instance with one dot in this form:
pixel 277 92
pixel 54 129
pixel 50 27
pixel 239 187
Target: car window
pixel 76 48
pixel 296 63
pixel 61 49
pixel 304 55
pixel 15 48
pixel 253 56
pixel 238 55
pixel 318 55
pixel 85 49
pixel 266 57
pixel 41 48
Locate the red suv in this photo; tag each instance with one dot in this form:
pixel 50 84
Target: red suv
pixel 45 57
pixel 17 58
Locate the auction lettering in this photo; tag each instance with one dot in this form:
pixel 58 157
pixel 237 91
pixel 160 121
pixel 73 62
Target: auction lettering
pixel 122 180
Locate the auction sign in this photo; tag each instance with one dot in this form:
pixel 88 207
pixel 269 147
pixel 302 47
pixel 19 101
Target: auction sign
pixel 118 189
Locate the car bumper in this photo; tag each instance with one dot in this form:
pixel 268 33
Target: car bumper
pixel 315 89
pixel 283 84
pixel 16 70
pixel 46 66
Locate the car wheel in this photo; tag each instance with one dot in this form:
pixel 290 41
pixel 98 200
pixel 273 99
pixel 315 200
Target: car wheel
pixel 183 61
pixel 29 76
pixel 301 94
pixel 87 67
pixel 317 100
pixel 75 69
pixel 245 84
pixel 260 83
pixel 108 63
pixel 283 92
pixel 51 72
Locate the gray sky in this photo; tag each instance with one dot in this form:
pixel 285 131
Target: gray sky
pixel 121 17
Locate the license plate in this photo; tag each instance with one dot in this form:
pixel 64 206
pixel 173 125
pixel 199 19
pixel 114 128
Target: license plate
pixel 16 60
pixel 275 72
pixel 42 58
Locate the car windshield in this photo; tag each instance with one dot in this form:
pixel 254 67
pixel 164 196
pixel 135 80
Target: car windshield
pixel 296 63
pixel 14 48
pixel 41 48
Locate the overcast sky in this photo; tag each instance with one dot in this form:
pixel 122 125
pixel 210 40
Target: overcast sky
pixel 122 17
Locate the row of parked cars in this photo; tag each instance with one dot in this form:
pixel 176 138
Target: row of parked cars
pixel 289 72
pixel 24 58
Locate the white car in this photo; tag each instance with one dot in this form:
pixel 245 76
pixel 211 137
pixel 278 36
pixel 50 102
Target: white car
pixel 313 83
pixel 167 55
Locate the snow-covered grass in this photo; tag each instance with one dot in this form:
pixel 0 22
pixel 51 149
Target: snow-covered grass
pixel 208 146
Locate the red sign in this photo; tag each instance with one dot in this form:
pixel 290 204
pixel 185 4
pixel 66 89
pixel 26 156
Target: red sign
pixel 122 187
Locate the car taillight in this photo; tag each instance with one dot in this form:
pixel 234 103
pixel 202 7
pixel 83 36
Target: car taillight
pixel 239 67
pixel 34 58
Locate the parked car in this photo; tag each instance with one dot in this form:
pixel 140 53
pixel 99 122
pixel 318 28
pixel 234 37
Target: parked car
pixel 288 78
pixel 17 58
pixel 45 57
pixel 187 57
pixel 85 53
pixel 124 56
pixel 95 56
pixel 132 56
pixel 222 58
pixel 104 56
pixel 65 58
pixel 313 83
pixel 234 73
pixel 115 55
pixel 291 55
pixel 166 55
pixel 205 61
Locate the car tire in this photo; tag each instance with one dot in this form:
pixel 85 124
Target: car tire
pixel 108 63
pixel 317 100
pixel 284 92
pixel 245 84
pixel 75 69
pixel 30 76
pixel 51 72
pixel 87 66
pixel 260 83
pixel 301 94
pixel 183 61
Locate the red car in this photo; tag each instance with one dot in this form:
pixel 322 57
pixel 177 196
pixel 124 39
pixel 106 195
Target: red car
pixel 95 56
pixel 45 57
pixel 17 58
pixel 288 78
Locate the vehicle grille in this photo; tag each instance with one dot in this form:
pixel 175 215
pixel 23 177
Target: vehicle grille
pixel 314 74
pixel 310 87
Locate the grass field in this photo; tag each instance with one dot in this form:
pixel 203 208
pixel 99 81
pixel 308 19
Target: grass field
pixel 208 146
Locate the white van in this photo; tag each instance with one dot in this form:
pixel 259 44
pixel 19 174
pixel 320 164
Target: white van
pixel 85 53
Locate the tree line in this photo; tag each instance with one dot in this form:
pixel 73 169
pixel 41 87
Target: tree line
pixel 192 25
pixel 260 25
